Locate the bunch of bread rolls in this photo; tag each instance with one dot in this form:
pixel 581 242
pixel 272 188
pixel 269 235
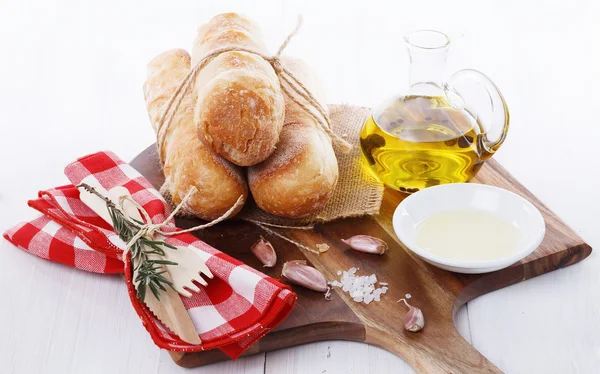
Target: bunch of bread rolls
pixel 236 131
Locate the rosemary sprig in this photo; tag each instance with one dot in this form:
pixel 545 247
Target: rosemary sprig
pixel 149 271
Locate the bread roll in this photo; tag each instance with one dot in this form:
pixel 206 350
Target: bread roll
pixel 239 105
pixel 188 162
pixel 300 176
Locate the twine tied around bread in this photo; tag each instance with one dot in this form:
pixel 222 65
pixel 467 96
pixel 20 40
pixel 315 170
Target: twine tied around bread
pixel 292 88
pixel 366 193
pixel 149 228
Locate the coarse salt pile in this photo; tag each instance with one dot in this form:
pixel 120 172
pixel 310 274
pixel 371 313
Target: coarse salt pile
pixel 361 288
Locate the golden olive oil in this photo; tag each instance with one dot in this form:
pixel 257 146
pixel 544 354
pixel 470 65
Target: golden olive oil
pixel 422 141
pixel 489 236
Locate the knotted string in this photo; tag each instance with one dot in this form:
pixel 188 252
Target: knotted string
pixel 148 228
pixel 291 87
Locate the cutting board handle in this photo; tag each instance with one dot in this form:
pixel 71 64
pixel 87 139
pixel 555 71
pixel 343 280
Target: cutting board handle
pixel 458 356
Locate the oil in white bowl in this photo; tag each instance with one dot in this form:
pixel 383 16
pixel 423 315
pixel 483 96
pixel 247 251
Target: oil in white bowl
pixel 468 235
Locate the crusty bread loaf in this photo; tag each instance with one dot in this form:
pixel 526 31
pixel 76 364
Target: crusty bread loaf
pixel 300 176
pixel 239 105
pixel 188 162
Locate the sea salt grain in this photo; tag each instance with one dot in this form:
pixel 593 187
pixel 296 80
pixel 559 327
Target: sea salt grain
pixel 360 288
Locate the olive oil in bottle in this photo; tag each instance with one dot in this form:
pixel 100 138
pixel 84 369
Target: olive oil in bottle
pixel 421 141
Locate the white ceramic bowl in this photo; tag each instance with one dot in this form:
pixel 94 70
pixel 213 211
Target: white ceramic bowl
pixel 510 206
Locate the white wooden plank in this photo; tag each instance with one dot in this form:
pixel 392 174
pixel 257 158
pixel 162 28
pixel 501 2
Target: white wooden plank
pixel 331 357
pixel 245 365
pixel 543 325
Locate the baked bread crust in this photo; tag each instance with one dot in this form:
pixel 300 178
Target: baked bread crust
pixel 188 162
pixel 239 108
pixel 299 177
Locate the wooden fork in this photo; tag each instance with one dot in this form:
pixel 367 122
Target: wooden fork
pixel 190 262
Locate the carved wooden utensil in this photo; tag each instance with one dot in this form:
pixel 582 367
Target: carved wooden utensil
pixel 438 348
pixel 190 261
pixel 170 309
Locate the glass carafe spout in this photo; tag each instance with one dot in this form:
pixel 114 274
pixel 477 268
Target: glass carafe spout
pixel 427 50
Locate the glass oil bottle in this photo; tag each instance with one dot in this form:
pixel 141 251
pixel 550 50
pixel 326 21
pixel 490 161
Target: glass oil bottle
pixel 429 135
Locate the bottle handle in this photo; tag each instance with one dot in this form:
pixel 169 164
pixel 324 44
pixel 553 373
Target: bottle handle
pixel 456 93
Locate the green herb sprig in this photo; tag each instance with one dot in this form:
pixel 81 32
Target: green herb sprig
pixel 149 271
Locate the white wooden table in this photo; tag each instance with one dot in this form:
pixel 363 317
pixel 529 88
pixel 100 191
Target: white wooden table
pixel 71 75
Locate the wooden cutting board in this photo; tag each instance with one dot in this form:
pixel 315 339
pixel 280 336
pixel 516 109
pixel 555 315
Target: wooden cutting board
pixel 438 348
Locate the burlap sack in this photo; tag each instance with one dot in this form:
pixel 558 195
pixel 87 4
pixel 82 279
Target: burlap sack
pixel 358 192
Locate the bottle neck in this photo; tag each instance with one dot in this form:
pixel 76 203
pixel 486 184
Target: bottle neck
pixel 426 70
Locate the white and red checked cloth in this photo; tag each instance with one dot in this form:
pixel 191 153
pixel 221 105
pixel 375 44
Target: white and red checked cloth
pixel 238 307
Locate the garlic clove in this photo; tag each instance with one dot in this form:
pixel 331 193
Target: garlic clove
pixel 299 273
pixel 366 244
pixel 264 251
pixel 413 320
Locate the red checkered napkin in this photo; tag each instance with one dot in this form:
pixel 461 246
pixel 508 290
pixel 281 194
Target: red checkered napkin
pixel 238 307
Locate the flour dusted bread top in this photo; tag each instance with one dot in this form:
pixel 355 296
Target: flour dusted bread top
pixel 187 161
pixel 299 177
pixel 239 108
